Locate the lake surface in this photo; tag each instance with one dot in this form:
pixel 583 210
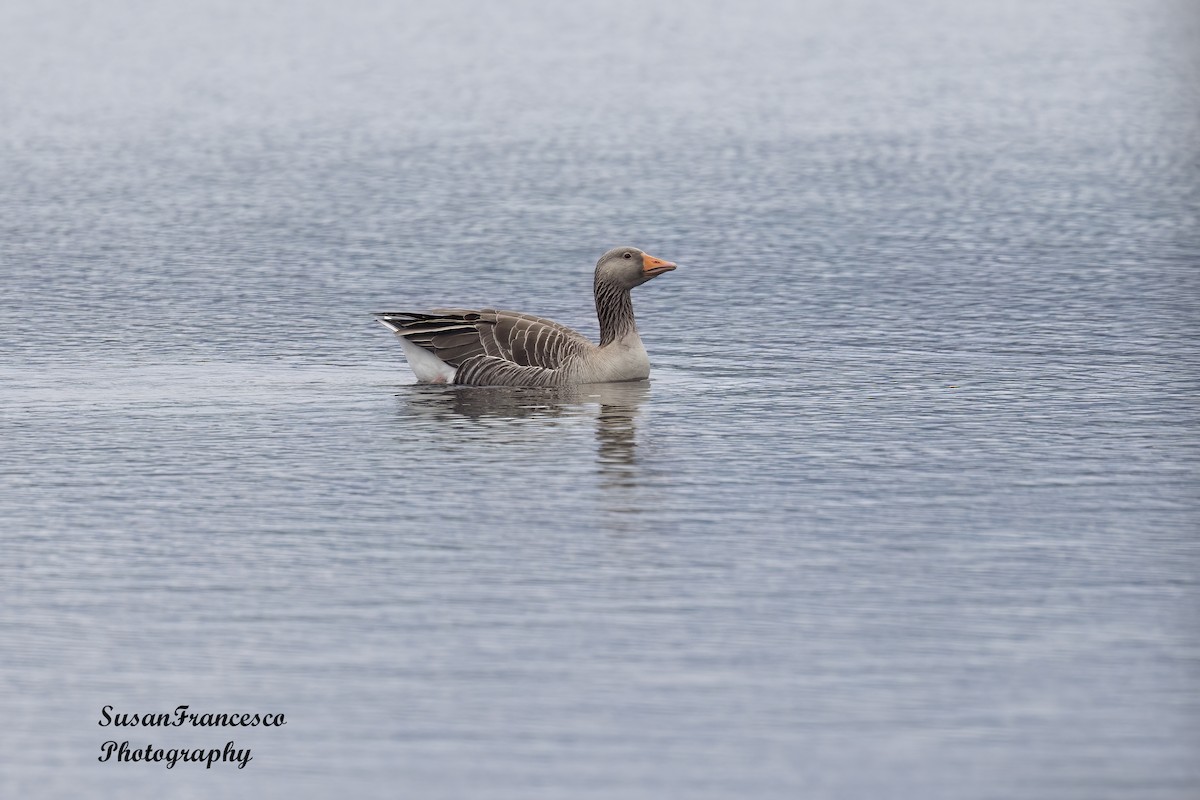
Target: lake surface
pixel 907 509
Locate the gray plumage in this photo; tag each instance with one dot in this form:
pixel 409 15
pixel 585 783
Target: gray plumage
pixel 490 347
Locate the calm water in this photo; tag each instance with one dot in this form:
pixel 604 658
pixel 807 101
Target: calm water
pixel 908 509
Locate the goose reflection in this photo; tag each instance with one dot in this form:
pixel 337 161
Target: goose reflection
pixel 481 413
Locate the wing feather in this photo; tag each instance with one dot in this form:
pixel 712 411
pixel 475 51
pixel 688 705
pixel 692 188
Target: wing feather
pixel 523 342
pixel 492 371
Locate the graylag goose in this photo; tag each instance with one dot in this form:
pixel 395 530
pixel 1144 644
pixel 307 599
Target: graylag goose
pixel 487 347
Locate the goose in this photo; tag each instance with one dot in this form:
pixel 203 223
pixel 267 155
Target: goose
pixel 489 347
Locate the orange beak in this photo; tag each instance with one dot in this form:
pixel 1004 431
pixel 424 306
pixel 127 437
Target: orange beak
pixel 655 266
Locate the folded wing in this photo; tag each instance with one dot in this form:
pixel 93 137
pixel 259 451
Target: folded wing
pixel 504 338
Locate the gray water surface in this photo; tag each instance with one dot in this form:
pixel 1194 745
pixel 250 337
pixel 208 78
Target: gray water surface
pixel 907 509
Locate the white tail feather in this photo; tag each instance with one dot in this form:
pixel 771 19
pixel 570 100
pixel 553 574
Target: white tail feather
pixel 425 365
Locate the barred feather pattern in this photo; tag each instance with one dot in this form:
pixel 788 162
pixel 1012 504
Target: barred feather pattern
pixel 494 347
pixel 492 371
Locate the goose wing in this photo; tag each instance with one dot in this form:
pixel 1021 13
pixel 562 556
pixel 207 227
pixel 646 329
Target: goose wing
pixel 456 335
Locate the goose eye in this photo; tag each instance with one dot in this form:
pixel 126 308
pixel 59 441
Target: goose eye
pixel 629 255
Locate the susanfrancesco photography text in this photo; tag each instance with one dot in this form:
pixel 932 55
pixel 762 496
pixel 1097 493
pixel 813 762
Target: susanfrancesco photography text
pixel 229 753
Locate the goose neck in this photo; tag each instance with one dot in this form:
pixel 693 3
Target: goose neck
pixel 614 309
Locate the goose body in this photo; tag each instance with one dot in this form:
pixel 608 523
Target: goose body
pixel 490 347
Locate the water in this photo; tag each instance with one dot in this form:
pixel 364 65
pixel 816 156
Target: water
pixel 908 508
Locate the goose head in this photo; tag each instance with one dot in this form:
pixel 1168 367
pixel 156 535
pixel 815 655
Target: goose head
pixel 628 267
